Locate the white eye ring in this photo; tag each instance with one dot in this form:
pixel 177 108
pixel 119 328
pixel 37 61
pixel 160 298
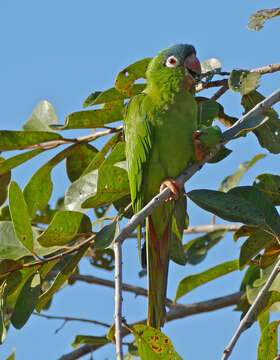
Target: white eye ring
pixel 172 61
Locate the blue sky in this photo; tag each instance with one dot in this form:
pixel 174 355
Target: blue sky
pixel 63 50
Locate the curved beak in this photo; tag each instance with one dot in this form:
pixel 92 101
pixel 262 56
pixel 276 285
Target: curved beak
pixel 192 70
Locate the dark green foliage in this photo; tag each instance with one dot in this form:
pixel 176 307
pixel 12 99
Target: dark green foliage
pixel 26 301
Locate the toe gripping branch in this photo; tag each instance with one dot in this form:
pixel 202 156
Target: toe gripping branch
pixel 173 186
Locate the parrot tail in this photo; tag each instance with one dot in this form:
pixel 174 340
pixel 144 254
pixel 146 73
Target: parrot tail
pixel 157 264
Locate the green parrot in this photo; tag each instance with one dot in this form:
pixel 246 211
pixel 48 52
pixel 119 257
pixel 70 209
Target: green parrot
pixel 161 141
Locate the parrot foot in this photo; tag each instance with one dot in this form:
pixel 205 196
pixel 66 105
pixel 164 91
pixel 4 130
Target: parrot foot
pixel 173 186
pixel 199 153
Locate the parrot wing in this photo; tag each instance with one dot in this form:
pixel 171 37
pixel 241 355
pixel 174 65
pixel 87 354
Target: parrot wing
pixel 139 136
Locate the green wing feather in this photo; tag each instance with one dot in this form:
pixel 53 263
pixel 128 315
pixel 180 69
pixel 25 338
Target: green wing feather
pixel 139 135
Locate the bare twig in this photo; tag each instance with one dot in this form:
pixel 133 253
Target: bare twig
pixel 220 92
pixel 69 318
pixel 177 312
pixel 246 322
pixel 265 104
pixel 224 82
pixel 51 258
pixel 210 84
pixel 118 299
pixel 80 139
pixel 209 228
pixel 137 290
pixel 197 229
pixel 267 69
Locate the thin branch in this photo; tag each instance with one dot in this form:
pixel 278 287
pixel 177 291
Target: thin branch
pixel 118 299
pixel 51 258
pixel 267 69
pixel 137 290
pixel 209 228
pixel 258 109
pixel 220 92
pixel 69 318
pixel 80 139
pixel 197 229
pixel 179 311
pixel 210 84
pixel 246 322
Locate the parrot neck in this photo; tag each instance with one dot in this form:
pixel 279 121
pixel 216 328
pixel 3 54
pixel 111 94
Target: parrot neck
pixel 163 97
pixel 165 91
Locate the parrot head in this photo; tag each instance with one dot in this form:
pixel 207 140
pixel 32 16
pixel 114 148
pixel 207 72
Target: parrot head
pixel 174 69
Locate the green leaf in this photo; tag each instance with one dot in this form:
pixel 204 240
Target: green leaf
pixel 20 216
pixel 42 116
pixel 257 20
pixel 11 357
pixel 258 199
pixel 227 206
pixel 61 277
pixel 126 78
pixel 4 182
pixel 26 301
pixel 80 190
pixel 112 95
pixel 13 281
pixel 263 320
pixel 89 339
pixel 211 64
pixel 89 101
pixel 3 294
pixel 112 181
pixel 245 230
pixel 253 245
pixel 153 344
pixel 268 134
pixel 106 235
pixel 79 159
pixel 243 81
pixel 38 190
pixel 15 287
pixel 117 154
pixel 233 180
pixel 100 157
pixel 268 345
pixel 8 265
pixel 16 140
pixel 93 118
pixel 112 185
pixel 11 248
pixel 270 185
pixel 241 127
pixel 193 281
pixel 44 270
pixel 14 161
pixel 65 226
pixel 207 112
pixel 200 246
pixel 220 155
pixel 252 273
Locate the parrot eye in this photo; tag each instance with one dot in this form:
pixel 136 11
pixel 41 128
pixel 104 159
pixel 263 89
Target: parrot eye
pixel 171 61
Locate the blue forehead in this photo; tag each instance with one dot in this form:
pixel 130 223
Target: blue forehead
pixel 180 51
